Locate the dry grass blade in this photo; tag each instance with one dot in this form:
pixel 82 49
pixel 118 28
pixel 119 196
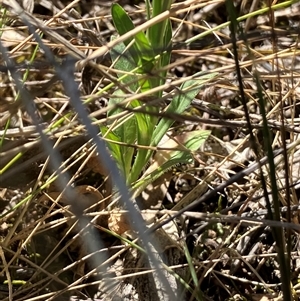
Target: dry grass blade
pixel 212 238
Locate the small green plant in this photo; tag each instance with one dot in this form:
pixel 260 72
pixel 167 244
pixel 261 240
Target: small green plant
pixel 140 63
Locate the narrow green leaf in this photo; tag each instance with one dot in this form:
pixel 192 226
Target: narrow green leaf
pixel 148 9
pixel 157 32
pixel 144 47
pixel 192 270
pixel 124 24
pixel 145 125
pixel 166 159
pixel 126 131
pixel 113 147
pixel 180 103
pixel 123 60
pixel 166 56
pixel 124 63
pixel 121 20
pixel 141 51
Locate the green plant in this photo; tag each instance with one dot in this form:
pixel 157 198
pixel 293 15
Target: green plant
pixel 142 69
pixel 282 246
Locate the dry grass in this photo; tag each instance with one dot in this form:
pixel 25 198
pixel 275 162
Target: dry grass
pixel 222 245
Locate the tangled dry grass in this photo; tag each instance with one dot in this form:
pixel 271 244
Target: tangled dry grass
pixel 221 246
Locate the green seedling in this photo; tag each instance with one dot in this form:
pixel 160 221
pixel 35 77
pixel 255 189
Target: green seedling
pixel 140 69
